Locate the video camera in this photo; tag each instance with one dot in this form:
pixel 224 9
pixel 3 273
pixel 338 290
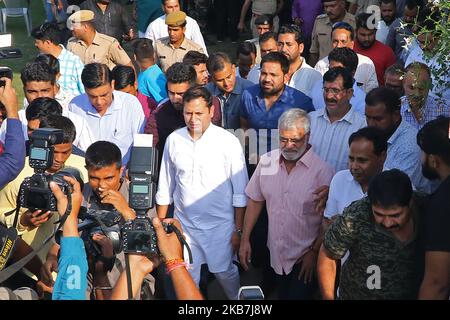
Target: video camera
pixel 35 192
pixel 139 235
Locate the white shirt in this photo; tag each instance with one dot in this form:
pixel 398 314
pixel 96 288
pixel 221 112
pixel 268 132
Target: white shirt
pixel 365 71
pixel 122 120
pixel 382 31
pixel 158 29
pixel 83 138
pixel 358 101
pixel 254 74
pixel 304 78
pixel 344 189
pixel 417 55
pixel 204 179
pixel 330 140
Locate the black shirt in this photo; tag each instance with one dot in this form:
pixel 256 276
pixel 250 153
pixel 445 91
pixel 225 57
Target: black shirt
pixel 438 219
pixel 114 22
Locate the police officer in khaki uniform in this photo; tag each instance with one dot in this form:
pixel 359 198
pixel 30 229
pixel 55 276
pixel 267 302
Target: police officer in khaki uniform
pixel 173 48
pixel 92 46
pixel 321 34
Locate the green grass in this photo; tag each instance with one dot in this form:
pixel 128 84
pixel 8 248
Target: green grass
pixel 20 40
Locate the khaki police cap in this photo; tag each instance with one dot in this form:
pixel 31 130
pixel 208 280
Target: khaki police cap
pixel 81 16
pixel 176 19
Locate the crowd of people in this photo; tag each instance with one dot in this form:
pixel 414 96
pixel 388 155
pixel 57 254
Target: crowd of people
pixel 318 156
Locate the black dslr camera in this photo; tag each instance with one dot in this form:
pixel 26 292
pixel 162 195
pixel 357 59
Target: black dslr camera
pixel 139 235
pixel 99 221
pixel 35 192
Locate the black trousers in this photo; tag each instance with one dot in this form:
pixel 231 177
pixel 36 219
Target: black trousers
pixel 227 14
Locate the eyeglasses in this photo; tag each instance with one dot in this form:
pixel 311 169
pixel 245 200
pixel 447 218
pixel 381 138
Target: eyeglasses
pixel 284 140
pixel 334 91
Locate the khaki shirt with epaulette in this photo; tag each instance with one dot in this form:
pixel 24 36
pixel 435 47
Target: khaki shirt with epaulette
pixel 321 34
pixel 167 55
pixel 104 49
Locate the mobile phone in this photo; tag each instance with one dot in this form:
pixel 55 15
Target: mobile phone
pixel 251 293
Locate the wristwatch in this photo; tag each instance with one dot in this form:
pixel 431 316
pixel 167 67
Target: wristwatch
pixel 239 232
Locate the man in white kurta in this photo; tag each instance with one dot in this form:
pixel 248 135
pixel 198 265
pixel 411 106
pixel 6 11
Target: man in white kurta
pixel 203 173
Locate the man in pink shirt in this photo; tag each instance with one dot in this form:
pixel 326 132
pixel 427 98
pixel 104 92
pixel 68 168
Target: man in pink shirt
pixel 284 181
pixel 381 55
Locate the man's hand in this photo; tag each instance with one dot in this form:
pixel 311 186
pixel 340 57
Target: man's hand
pixel 142 264
pixel 298 21
pixel 32 220
pixel 168 243
pixel 235 241
pixel 118 201
pixel 50 265
pixel 308 267
pixel 241 26
pixel 107 250
pixel 320 198
pixel 61 198
pixel 245 253
pixel 9 99
pixel 42 288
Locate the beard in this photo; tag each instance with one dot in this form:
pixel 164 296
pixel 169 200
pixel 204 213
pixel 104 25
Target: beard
pixel 429 172
pixel 293 154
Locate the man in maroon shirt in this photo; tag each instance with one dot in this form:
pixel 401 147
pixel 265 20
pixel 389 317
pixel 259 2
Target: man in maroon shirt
pixel 168 116
pixel 381 55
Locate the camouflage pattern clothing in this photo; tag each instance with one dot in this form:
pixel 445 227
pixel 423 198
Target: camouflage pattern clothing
pixel 400 264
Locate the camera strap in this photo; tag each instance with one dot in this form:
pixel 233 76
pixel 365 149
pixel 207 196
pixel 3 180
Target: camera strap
pixel 13 268
pixel 10 236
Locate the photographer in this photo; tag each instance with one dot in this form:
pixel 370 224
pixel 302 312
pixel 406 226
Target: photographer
pixel 106 190
pixel 171 250
pixel 13 156
pixel 37 226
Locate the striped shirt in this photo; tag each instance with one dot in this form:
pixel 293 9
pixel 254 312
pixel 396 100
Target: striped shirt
pixel 330 140
pixel 70 67
pixel 293 222
pixel 403 153
pixel 433 108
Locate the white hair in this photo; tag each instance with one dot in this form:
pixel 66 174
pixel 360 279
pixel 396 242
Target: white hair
pixel 294 118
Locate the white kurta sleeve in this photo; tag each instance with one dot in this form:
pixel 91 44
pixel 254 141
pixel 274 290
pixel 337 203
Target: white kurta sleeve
pixel 197 36
pixel 138 119
pixel 239 176
pixel 85 139
pixel 166 184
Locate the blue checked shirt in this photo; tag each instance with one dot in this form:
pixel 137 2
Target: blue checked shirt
pixel 403 153
pixel 433 108
pixel 70 67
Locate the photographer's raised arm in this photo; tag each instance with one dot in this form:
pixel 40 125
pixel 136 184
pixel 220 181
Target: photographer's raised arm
pixel 71 282
pixel 140 266
pixel 170 247
pixel 13 158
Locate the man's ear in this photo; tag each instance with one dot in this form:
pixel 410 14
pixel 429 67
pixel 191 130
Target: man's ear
pixel 301 47
pixel 121 170
pixel 383 156
pixel 113 84
pixel 211 111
